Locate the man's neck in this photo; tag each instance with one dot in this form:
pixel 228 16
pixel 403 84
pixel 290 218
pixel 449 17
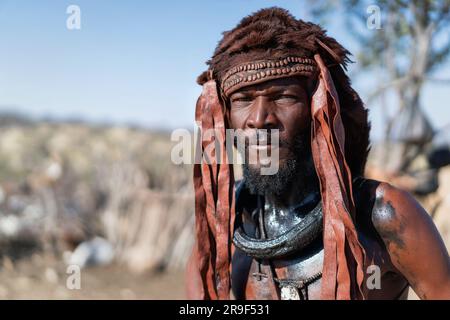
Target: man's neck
pixel 299 189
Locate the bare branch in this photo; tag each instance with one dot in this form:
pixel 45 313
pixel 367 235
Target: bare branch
pixel 437 80
pixel 397 83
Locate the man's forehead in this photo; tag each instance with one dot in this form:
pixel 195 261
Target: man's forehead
pixel 273 86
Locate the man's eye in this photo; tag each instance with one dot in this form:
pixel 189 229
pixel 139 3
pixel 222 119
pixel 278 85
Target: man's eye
pixel 241 102
pixel 286 98
pixel 242 99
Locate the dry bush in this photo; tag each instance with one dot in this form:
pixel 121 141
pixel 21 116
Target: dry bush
pixel 86 181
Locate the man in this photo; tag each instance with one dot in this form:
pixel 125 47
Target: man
pixel 316 229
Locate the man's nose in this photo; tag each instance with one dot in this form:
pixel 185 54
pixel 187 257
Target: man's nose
pixel 262 115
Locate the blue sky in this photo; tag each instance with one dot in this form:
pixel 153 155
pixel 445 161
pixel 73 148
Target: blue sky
pixel 132 61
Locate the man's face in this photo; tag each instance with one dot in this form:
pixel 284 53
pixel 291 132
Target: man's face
pixel 281 104
pixel 278 104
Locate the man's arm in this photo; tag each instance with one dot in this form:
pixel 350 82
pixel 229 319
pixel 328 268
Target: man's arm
pixel 413 242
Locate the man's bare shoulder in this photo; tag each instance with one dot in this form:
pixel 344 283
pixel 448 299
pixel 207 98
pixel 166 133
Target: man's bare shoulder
pixel 394 211
pixel 412 241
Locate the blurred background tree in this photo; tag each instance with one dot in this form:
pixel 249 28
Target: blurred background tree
pixel 404 51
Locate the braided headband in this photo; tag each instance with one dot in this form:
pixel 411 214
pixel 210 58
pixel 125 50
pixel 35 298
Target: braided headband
pixel 260 71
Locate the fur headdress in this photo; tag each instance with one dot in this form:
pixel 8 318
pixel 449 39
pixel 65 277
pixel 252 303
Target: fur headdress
pixel 270 44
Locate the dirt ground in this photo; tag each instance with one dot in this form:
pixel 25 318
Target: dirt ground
pixel 45 278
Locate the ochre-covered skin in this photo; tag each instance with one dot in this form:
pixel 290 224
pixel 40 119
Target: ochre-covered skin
pixel 394 230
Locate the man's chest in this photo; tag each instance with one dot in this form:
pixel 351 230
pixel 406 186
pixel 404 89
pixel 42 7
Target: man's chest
pixel 297 276
pixel 287 279
pixel 300 277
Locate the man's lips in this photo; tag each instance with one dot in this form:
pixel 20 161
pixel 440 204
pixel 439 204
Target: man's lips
pixel 261 142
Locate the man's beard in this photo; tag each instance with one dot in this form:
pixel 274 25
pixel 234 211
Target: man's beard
pixel 298 167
